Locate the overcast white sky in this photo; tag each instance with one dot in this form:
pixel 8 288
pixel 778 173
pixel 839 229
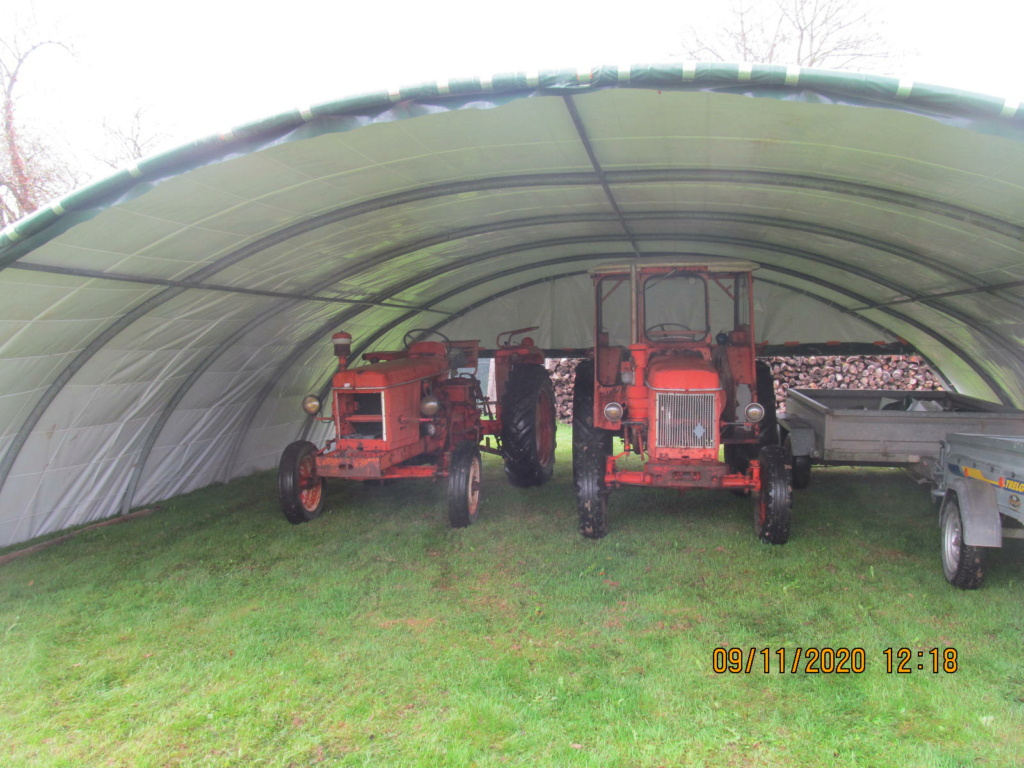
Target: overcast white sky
pixel 201 66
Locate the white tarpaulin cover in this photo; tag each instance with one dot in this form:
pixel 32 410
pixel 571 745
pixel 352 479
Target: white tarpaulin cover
pixel 159 328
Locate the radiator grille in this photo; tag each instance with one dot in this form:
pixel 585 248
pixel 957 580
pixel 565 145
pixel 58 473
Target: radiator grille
pixel 686 420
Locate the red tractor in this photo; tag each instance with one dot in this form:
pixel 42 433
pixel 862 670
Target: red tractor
pixel 420 412
pixel 674 379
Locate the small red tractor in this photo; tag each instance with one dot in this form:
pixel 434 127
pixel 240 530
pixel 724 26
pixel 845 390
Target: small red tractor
pixel 675 380
pixel 420 412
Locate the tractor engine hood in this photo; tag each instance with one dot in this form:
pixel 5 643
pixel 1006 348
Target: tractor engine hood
pixel 390 373
pixel 682 373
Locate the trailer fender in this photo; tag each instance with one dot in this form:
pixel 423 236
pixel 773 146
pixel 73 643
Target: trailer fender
pixel 978 510
pixel 801 435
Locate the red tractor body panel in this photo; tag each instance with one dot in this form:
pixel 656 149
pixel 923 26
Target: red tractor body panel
pixel 378 420
pixel 676 372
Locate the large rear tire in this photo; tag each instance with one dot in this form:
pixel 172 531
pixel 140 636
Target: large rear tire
pixel 590 447
pixel 299 489
pixel 528 425
pixel 962 565
pixel 464 485
pixel 774 504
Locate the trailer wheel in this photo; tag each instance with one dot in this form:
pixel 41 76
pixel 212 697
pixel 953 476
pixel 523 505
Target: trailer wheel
pixel 766 397
pixel 464 485
pixel 801 466
pixel 590 447
pixel 528 425
pixel 963 565
pixel 773 505
pixel 300 490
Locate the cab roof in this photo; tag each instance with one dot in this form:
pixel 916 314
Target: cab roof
pixel 719 264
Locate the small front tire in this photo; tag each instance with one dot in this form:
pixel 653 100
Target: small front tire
pixel 590 448
pixel 962 564
pixel 299 489
pixel 464 485
pixel 773 505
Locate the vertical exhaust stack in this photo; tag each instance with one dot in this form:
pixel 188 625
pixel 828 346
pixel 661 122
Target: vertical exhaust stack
pixel 342 348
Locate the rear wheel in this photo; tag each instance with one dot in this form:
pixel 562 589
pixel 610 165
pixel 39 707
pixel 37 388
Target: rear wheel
pixel 962 564
pixel 528 425
pixel 300 490
pixel 773 505
pixel 801 466
pixel 590 447
pixel 464 485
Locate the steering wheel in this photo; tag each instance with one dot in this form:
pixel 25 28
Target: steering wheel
pixel 417 334
pixel 664 327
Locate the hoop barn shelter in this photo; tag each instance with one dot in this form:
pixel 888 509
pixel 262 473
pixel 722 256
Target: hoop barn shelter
pixel 160 327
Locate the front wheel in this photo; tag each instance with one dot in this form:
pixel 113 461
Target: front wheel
pixel 590 447
pixel 962 565
pixel 300 490
pixel 774 504
pixel 464 485
pixel 528 426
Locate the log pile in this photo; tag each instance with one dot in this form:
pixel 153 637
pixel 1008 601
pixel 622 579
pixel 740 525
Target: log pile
pixel 812 372
pixel 563 374
pixel 859 372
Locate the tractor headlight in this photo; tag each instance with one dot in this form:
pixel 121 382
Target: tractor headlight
pixel 311 404
pixel 430 405
pixel 613 411
pixel 754 412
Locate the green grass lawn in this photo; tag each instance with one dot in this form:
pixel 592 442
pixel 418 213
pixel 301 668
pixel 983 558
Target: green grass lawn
pixel 213 633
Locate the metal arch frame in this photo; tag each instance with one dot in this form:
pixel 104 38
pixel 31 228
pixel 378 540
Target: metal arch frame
pixel 432 191
pixel 977 286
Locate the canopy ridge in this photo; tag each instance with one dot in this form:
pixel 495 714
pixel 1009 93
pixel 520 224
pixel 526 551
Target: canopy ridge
pixel 581 132
pixel 95 274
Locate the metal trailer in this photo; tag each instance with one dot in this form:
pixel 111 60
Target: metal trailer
pixel 980 486
pixel 885 428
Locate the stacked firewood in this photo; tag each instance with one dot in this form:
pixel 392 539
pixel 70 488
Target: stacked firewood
pixel 563 374
pixel 908 372
pixel 813 372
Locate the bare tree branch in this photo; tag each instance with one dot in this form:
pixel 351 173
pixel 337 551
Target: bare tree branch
pixel 29 172
pixel 836 34
pixel 129 142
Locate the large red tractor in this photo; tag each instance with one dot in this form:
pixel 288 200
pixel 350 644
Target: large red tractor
pixel 673 396
pixel 419 412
